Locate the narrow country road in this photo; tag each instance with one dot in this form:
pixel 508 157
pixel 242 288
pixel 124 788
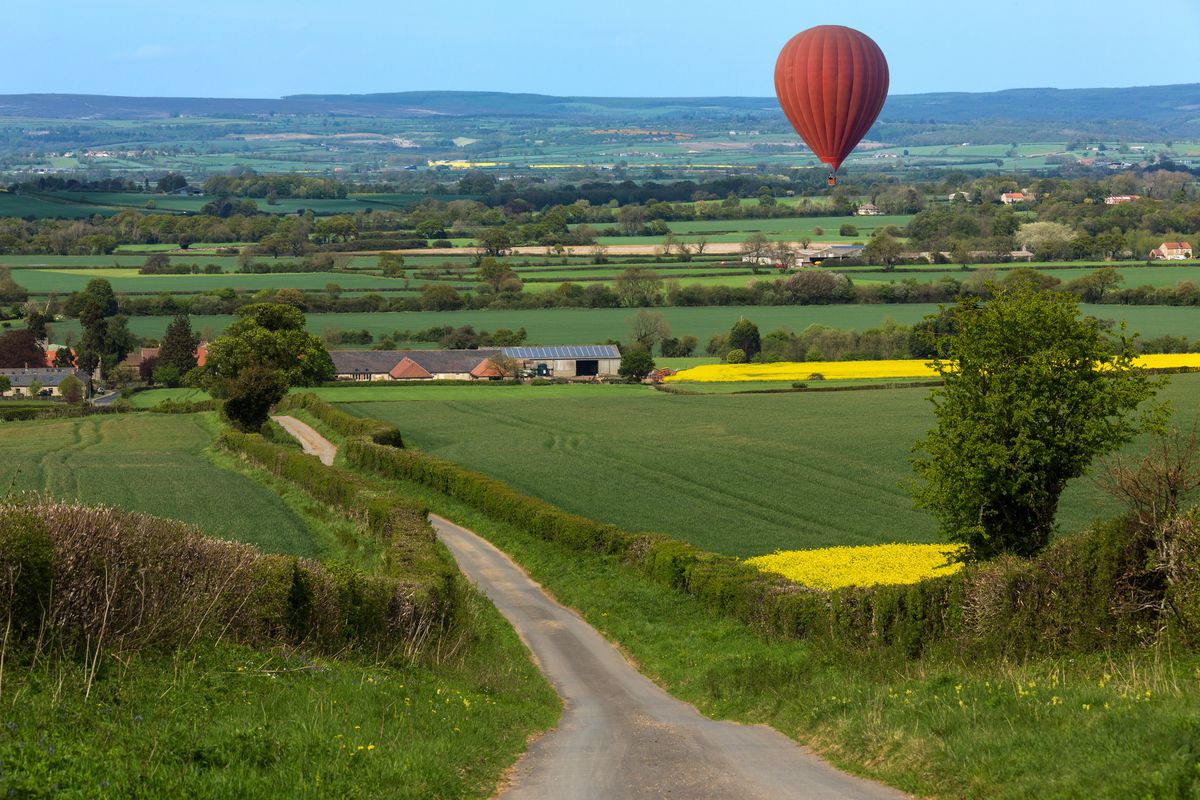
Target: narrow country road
pixel 313 443
pixel 621 737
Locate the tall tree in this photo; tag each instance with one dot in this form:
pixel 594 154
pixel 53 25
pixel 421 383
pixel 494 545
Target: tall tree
pixel 1032 393
pixel 744 336
pixel 93 306
pixel 179 345
pixel 266 335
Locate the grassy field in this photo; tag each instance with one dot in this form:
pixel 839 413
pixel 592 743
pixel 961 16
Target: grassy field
pixel 1134 275
pixel 785 228
pixel 743 475
pixel 154 463
pixel 593 325
pixel 127 279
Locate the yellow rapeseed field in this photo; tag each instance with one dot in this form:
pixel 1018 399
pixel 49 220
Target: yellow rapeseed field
pixel 874 565
pixel 844 370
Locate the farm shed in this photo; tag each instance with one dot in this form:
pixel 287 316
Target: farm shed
pixel 49 378
pixel 409 365
pixel 568 361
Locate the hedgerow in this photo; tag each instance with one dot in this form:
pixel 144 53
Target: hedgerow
pixel 100 578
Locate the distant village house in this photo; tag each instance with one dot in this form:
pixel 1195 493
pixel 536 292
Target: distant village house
pixel 868 210
pixel 46 380
pixel 1172 251
pixel 1008 198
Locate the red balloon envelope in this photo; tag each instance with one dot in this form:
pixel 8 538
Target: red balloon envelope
pixel 831 82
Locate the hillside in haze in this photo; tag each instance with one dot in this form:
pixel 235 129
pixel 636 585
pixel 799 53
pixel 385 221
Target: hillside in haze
pixel 1139 111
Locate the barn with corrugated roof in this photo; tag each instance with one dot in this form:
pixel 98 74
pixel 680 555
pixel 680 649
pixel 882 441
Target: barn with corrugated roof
pixel 567 361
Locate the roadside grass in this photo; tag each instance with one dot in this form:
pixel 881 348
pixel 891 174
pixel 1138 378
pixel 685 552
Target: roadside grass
pixel 221 720
pixel 332 536
pixel 1103 726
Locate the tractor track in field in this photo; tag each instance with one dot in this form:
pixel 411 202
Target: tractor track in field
pixel 622 737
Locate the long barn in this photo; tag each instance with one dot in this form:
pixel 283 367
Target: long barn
pixel 568 361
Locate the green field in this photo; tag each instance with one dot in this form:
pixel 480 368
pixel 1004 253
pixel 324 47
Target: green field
pixel 1134 274
pixel 78 205
pixel 743 475
pixel 785 228
pixel 127 279
pixel 591 326
pixel 152 463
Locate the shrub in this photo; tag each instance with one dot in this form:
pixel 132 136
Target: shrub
pixel 251 394
pixel 735 356
pixel 26 570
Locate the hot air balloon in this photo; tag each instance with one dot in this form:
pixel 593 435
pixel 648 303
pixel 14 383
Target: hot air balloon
pixel 831 82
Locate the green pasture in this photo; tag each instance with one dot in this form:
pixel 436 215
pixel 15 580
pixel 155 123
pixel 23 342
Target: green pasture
pixel 153 463
pixel 1134 275
pixel 598 325
pixel 77 204
pixel 127 279
pixel 787 228
pixel 743 475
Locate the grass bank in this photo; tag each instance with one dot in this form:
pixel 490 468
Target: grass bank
pixel 223 720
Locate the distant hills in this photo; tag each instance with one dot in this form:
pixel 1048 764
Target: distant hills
pixel 1152 111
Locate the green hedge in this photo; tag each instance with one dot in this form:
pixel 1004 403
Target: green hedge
pixel 125 581
pixel 412 552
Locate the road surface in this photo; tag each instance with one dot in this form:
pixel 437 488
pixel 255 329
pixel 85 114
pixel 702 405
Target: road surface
pixel 312 442
pixel 621 737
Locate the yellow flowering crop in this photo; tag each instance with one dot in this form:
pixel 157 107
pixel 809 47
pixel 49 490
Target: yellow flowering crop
pixel 843 370
pixel 881 564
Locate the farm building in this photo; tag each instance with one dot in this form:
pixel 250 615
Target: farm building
pixel 409 365
pixel 1117 199
pixel 48 378
pixel 1172 251
pixel 568 361
pixel 868 210
pixel 474 365
pixel 1008 198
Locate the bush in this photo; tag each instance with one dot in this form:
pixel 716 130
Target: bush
pixel 636 363
pixel 26 571
pixel 126 581
pixel 250 396
pixel 735 356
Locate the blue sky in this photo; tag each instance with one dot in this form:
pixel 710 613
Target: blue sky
pixel 270 48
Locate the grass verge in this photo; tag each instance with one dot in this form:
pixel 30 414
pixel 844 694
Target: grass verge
pixel 225 721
